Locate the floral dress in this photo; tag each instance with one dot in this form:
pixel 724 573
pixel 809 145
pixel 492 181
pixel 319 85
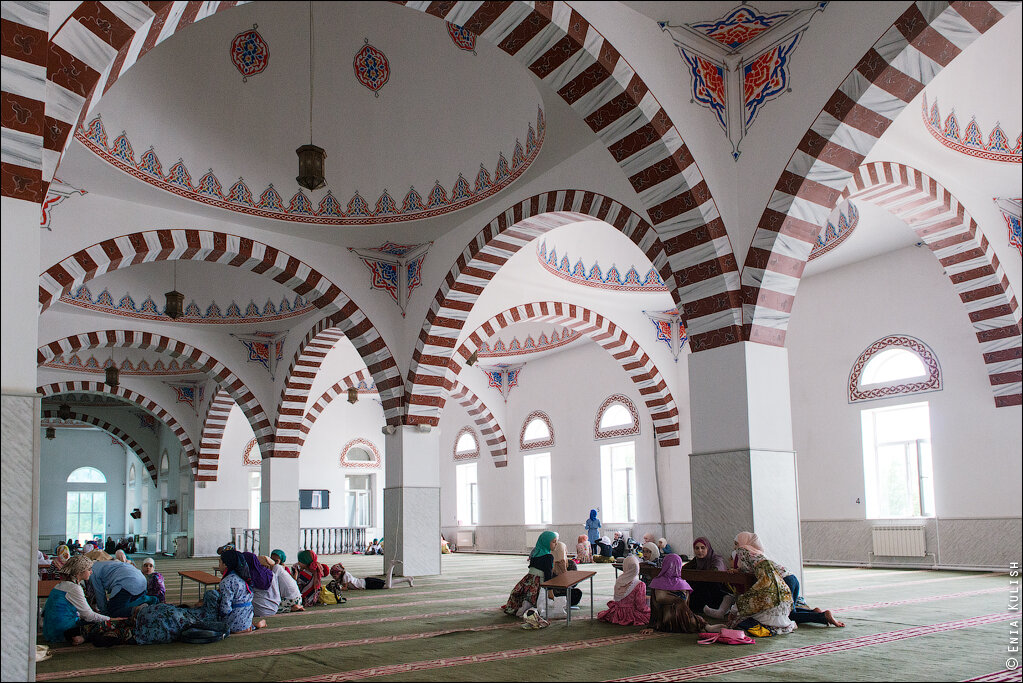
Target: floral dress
pixel 769 599
pixel 163 623
pixel 528 588
pixel 235 605
pixel 632 610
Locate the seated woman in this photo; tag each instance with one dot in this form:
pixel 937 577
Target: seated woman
pixel 630 606
pixel 651 554
pixel 768 602
pixel 664 546
pixel 235 603
pixel 709 597
pixel 308 572
pixel 561 565
pixel 266 601
pixel 619 546
pixel 445 549
pixel 52 572
pixel 110 546
pixel 541 568
pixel 669 608
pixel 603 553
pixel 353 583
pixel 66 614
pixel 291 596
pixel 154 580
pixel 583 553
pixel 375 547
pixel 121 556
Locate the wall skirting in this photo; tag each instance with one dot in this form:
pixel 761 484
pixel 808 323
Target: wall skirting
pixel 511 538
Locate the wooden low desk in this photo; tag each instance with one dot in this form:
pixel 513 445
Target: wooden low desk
pixel 45 586
pixel 648 571
pixel 204 579
pixel 568 581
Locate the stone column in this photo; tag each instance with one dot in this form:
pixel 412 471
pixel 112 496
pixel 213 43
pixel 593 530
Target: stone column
pixel 412 500
pixel 743 466
pixel 278 506
pixel 19 438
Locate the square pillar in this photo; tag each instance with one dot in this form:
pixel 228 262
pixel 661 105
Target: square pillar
pixel 412 500
pixel 278 506
pixel 743 466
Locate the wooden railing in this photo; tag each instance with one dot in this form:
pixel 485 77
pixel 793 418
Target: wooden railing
pixel 332 540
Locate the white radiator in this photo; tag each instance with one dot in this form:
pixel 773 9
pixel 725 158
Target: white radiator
pixel 464 539
pixel 899 541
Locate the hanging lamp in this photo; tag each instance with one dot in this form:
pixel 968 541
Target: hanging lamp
pixel 174 308
pixel 51 433
pixel 353 394
pixel 112 376
pixel 64 411
pixel 311 159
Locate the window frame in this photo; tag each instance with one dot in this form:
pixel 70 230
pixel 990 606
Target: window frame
pixel 364 444
pixel 607 485
pixel 536 443
pixel 861 392
pixel 616 431
pixel 872 466
pixel 533 504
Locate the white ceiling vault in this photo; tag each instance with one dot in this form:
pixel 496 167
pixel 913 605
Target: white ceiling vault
pixel 163 149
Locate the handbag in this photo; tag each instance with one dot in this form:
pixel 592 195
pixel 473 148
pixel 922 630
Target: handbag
pixel 331 594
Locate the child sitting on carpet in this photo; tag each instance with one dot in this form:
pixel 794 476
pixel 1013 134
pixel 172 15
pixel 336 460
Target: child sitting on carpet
pixel 66 613
pixel 291 596
pixel 154 580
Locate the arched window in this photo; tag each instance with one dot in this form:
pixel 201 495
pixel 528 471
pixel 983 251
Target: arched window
pixel 537 431
pixel 164 463
pixel 131 475
pixel 360 453
pixel 467 446
pixel 893 366
pixel 617 416
pixel 86 475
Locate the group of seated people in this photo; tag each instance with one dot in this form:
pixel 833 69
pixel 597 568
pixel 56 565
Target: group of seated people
pixel 107 600
pixel 605 549
pixel 772 604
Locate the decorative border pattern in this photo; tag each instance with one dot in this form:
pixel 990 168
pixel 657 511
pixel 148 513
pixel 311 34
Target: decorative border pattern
pixel 972 141
pixel 832 236
pixel 517 348
pixel 249 53
pixel 536 443
pixel 270 204
pixel 616 432
pixel 149 310
pixel 463 40
pixel 361 443
pixel 466 455
pixel 858 392
pixel 372 68
pixel 594 277
pixel 126 367
pixel 1012 220
pixel 212 435
pixel 248 459
pixel 739 26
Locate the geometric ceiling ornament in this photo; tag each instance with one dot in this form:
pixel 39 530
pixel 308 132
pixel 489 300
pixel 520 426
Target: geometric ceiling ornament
pixel 670 329
pixel 517 348
pixel 371 68
pixel 463 39
pixel 191 392
pixel 56 193
pixel 503 377
pixel 1011 210
pixel 249 53
pixel 395 268
pixel 739 62
pixel 264 348
pixel 594 276
pixel 831 235
pixel 970 141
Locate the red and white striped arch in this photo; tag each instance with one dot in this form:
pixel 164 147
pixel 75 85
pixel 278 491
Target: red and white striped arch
pixel 971 264
pixel 616 341
pixel 213 434
pixel 289 434
pixel 921 42
pixel 101 41
pixel 133 339
pixel 485 420
pixel 112 429
pixel 138 399
pixel 325 399
pixel 480 261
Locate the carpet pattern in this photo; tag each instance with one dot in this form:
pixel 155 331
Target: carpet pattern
pixel 914 625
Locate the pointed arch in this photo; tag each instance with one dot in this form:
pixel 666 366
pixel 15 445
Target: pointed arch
pixel 83 417
pixel 967 257
pixel 138 399
pixel 213 434
pixel 485 420
pixel 921 42
pixel 133 339
pixel 616 341
pixel 325 399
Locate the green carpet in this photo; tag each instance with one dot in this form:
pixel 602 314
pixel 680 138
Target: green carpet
pixel 901 625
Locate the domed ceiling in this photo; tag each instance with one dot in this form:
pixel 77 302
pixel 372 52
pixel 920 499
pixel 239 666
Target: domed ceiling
pixel 215 115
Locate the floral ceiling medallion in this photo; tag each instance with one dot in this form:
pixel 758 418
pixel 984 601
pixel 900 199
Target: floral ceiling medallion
pixel 265 348
pixel 56 193
pixel 517 348
pixel 1011 210
pixel 395 268
pixel 669 329
pixel 503 377
pixel 739 62
pixel 249 53
pixel 971 141
pixel 463 39
pixel 371 68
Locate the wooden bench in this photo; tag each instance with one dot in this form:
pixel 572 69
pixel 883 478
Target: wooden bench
pixel 648 571
pixel 204 579
pixel 568 581
pixel 45 586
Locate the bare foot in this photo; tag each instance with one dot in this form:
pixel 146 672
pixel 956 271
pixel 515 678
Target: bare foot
pixel 77 640
pixel 831 619
pixel 646 631
pixel 260 624
pixel 297 608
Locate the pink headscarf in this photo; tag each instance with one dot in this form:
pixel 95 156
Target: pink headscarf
pixel 750 541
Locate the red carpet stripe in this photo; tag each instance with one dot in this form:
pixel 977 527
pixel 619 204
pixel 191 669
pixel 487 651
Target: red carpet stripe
pixel 1004 676
pixel 913 601
pixel 780 656
pixel 899 584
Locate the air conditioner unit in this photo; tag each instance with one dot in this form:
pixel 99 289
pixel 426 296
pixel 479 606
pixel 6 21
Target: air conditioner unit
pixel 172 508
pixel 465 539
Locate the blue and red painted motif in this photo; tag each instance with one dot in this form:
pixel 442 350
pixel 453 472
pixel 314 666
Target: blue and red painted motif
pixel 260 351
pixel 595 277
pixel 463 40
pixel 832 235
pixel 249 53
pixel 371 68
pixel 739 26
pixel 971 142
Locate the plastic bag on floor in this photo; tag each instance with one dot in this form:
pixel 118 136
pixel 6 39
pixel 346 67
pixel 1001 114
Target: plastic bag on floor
pixel 556 608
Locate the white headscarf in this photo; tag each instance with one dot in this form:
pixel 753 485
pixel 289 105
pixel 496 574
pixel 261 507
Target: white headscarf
pixel 655 552
pixel 628 579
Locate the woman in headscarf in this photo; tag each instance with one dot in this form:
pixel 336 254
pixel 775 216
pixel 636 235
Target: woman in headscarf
pixel 768 601
pixel 592 530
pixel 583 552
pixel 603 550
pixel 121 556
pixel 291 596
pixel 235 603
pixel 630 606
pixel 651 554
pixel 561 565
pixel 709 597
pixel 669 608
pixel 66 612
pixel 60 558
pixel 308 573
pixel 541 568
